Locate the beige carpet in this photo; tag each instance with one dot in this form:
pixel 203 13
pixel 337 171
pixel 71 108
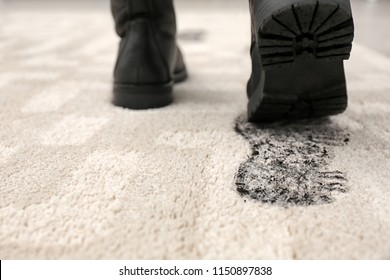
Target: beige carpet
pixel 80 178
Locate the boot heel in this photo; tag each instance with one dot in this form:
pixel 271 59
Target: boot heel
pixel 306 89
pixel 139 97
pixel 292 30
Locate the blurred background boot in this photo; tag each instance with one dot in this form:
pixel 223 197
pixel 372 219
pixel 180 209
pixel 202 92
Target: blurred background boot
pixel 298 48
pixel 149 61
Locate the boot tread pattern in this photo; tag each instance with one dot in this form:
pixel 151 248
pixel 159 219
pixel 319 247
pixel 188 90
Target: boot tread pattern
pixel 306 31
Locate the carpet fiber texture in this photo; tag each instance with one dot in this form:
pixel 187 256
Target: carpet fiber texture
pixel 80 178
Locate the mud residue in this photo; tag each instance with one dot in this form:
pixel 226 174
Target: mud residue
pixel 290 162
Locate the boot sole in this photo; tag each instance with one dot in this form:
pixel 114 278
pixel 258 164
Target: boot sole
pixel 147 96
pixel 302 45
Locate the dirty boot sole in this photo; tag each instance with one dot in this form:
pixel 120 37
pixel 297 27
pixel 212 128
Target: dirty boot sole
pixel 301 45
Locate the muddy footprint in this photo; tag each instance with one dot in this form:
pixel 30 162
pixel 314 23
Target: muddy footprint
pixel 289 164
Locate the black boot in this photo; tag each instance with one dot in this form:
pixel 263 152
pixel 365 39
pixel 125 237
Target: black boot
pixel 298 48
pixel 149 61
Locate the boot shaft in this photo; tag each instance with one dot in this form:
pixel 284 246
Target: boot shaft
pixel 148 52
pixel 160 12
